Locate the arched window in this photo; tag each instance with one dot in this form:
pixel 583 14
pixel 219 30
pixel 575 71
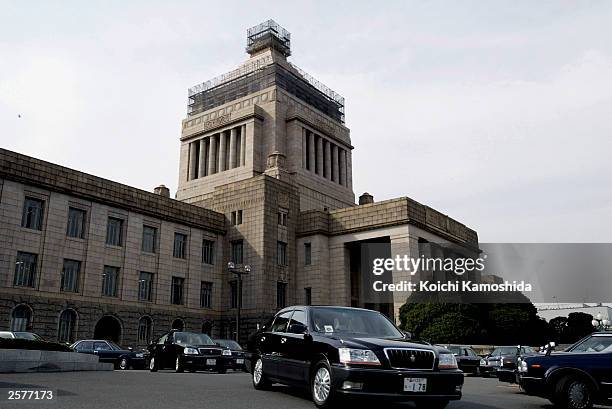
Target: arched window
pixel 145 324
pixel 67 324
pixel 178 324
pixel 21 318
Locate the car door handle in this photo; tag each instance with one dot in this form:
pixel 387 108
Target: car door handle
pixel 283 340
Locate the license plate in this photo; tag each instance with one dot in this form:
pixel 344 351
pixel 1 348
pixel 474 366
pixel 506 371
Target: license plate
pixel 211 362
pixel 239 361
pixel 415 384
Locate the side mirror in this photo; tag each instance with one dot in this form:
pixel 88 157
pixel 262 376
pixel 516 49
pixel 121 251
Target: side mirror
pixel 407 335
pixel 130 349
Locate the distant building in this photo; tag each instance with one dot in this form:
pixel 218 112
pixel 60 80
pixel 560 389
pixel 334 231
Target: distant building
pixel 265 179
pixel 550 311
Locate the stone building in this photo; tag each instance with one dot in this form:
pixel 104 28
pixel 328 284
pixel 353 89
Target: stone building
pixel 265 179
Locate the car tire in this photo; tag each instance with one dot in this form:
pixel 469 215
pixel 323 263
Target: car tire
pixel 123 364
pixel 432 404
pixel 572 392
pixel 179 367
pixel 153 366
pixel 259 378
pixel 321 385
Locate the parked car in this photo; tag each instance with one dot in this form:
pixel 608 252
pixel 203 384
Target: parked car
pixel 577 378
pixel 340 351
pixel 237 361
pixel 502 361
pixel 188 350
pixel 467 359
pixel 110 352
pixel 21 335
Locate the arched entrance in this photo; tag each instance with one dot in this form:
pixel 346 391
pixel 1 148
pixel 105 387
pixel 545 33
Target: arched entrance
pixel 108 327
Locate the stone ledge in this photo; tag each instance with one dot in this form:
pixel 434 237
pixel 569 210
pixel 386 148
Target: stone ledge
pixel 23 360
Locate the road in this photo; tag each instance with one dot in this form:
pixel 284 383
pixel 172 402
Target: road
pixel 166 389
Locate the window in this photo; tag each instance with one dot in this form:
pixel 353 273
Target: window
pixel 177 290
pixel 114 231
pixel 180 245
pixel 282 218
pixel 236 253
pixel 281 253
pixel 280 322
pixel 67 323
pixel 307 254
pixel 145 286
pixel 236 217
pixel 102 346
pixel 281 294
pixel 149 239
pixel 110 276
pixel 233 294
pixel 208 251
pixel 32 213
pixel 70 276
pixel 25 269
pixel 206 294
pixel 308 296
pixel 21 318
pixel 144 330
pixel 298 318
pixel 84 346
pixel 76 223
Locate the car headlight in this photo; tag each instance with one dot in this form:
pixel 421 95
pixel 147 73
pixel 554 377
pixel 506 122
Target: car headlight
pixel 483 362
pixel 447 361
pixel 358 356
pixel 522 367
pixel 226 352
pixel 190 351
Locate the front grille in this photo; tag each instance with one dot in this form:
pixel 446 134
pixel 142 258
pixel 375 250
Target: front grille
pixel 408 358
pixel 209 351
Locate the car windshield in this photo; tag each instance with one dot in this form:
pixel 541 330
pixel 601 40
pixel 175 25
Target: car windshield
pixel 353 321
pixel 594 344
pixel 228 343
pixel 455 350
pixel 505 351
pixel 191 338
pixel 28 335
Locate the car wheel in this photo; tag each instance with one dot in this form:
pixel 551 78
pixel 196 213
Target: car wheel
pixel 260 380
pixel 432 404
pixel 179 367
pixel 153 364
pixel 321 385
pixel 573 393
pixel 123 364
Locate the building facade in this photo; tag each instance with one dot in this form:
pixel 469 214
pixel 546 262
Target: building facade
pixel 265 180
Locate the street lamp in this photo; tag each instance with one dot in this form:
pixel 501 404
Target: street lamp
pixel 600 324
pixel 239 272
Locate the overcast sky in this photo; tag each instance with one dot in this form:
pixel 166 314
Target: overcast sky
pixel 498 114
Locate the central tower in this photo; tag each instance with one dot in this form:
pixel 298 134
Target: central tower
pixel 266 117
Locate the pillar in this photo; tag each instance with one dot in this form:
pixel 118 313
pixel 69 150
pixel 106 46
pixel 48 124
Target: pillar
pixel 222 151
pixel 192 161
pixel 212 155
pixel 342 167
pixel 243 144
pixel 327 149
pixel 320 156
pixel 311 152
pixel 203 152
pixel 335 164
pixel 304 149
pixel 232 149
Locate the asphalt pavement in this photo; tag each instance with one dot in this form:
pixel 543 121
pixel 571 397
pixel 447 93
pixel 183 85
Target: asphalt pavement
pixel 166 389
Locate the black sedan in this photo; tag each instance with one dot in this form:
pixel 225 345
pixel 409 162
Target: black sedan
pixel 574 379
pixel 467 359
pixel 349 352
pixel 237 361
pixel 110 352
pixel 188 350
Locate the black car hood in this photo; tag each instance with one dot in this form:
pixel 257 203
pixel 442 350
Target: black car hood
pixel 374 343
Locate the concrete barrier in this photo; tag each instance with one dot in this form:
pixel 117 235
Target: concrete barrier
pixel 23 360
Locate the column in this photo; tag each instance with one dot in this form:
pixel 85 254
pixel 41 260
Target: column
pixel 202 171
pixel 243 144
pixel 212 155
pixel 223 151
pixel 342 167
pixel 335 163
pixel 232 149
pixel 311 152
pixel 320 156
pixel 327 160
pixel 192 161
pixel 304 149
